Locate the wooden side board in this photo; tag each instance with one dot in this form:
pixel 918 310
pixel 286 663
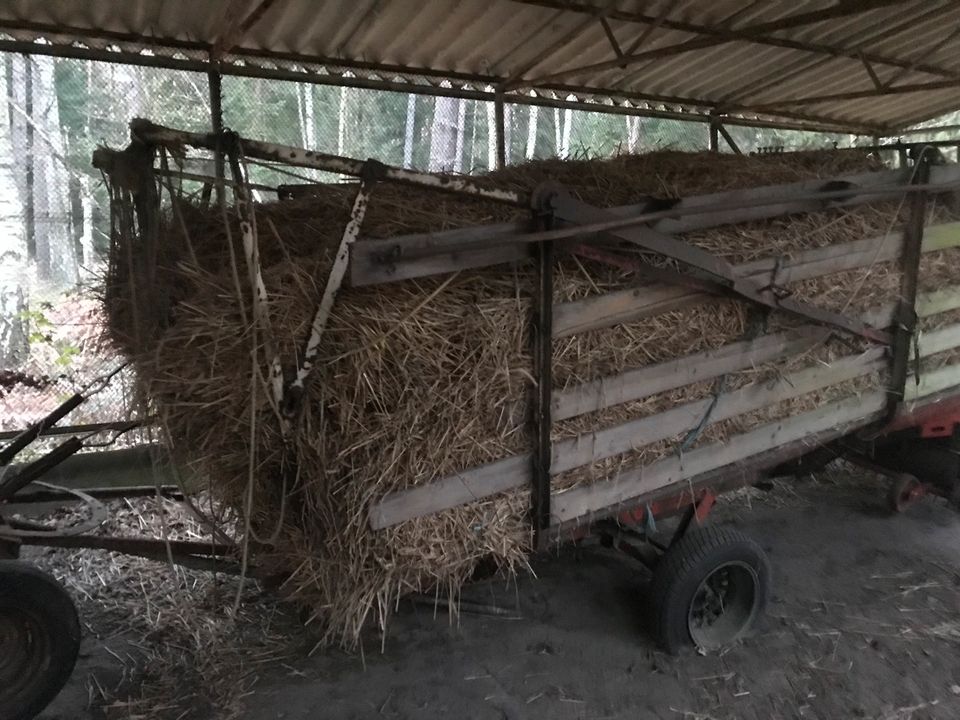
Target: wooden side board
pixel 572 504
pixel 485 480
pixel 644 382
pixel 632 304
pixel 419 255
pixel 852 412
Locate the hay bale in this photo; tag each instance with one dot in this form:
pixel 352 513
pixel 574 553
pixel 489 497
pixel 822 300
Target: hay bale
pixel 422 378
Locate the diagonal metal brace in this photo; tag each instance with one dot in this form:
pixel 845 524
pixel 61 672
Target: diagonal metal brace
pixel 722 277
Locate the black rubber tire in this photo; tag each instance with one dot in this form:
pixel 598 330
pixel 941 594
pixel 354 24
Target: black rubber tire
pixel 683 568
pixel 39 639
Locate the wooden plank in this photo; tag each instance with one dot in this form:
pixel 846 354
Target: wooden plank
pixel 653 379
pixel 928 304
pixel 938 301
pixel 939 340
pixel 854 412
pixel 457 252
pixel 374 261
pixel 616 440
pixel 451 491
pixel 501 475
pixel 725 278
pixel 378 261
pixel 851 412
pixel 634 303
pixel 933 382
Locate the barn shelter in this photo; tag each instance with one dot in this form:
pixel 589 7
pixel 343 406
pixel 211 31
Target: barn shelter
pixel 875 67
pixel 767 235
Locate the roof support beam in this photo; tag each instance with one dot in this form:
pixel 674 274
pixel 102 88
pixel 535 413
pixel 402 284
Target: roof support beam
pixel 841 9
pixel 612 38
pixel 775 106
pixel 923 56
pixel 237 29
pixel 684 26
pixel 650 28
pixel 880 30
pixel 513 80
pixel 872 73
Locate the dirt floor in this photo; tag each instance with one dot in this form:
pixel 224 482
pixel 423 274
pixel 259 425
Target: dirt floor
pixel 864 623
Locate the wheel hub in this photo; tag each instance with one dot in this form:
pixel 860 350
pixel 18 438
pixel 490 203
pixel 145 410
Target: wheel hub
pixel 724 605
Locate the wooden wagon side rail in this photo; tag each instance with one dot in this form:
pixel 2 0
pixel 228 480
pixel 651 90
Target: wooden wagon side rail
pixel 842 416
pixel 631 304
pixel 515 471
pixel 424 254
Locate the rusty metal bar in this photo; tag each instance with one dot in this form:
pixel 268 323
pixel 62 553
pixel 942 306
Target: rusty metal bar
pixel 40 466
pixel 191 554
pixel 87 428
pixel 153 134
pixel 905 317
pixel 30 497
pixel 38 428
pixel 714 136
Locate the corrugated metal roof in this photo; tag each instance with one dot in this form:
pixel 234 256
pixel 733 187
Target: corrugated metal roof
pixel 806 62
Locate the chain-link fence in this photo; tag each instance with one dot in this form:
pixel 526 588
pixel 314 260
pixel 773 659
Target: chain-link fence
pixel 54 213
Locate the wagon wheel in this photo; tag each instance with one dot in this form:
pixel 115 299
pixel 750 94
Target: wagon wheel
pixel 709 589
pixel 904 491
pixel 39 639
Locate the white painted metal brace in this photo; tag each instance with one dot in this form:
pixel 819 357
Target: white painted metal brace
pixel 152 133
pixel 334 282
pixel 251 250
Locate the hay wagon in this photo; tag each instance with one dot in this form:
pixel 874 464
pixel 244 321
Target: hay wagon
pixel 710 584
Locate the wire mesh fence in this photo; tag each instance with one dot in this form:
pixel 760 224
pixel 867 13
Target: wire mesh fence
pixel 54 209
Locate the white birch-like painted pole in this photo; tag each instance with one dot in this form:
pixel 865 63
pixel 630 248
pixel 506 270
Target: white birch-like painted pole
pixel 408 131
pixel 322 315
pixel 251 251
pixel 532 131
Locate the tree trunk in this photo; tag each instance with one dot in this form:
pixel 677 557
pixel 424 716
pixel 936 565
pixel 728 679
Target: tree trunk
pixel 557 132
pixel 309 118
pixel 565 141
pixel 491 137
pixel 30 196
pixel 408 130
pixel 532 131
pixel 633 133
pixel 49 197
pixel 461 125
pixel 342 122
pixel 15 270
pixel 443 135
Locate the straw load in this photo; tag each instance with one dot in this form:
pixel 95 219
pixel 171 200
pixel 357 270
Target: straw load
pixel 422 378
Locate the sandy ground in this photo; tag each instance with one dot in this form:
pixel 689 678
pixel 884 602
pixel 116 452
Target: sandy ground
pixel 864 623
